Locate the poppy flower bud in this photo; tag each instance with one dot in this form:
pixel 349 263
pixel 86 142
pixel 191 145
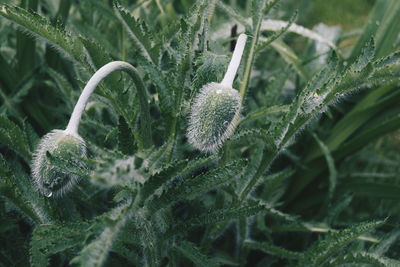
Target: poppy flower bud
pixel 215 111
pixel 49 179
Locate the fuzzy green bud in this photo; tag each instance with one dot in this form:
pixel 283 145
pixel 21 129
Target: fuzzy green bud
pixel 215 111
pixel 213 116
pixel 49 179
pixel 67 145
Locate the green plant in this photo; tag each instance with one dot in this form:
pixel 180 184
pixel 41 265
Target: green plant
pixel 309 177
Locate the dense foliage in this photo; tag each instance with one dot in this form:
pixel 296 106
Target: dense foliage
pixel 310 176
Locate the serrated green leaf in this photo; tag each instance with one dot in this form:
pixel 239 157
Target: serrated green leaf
pixel 95 253
pixel 224 215
pixel 96 54
pixel 41 28
pixel 181 168
pixel 276 34
pixel 362 258
pixel 191 187
pixel 48 240
pixel 265 111
pixel 18 190
pixel 136 30
pixel 336 241
pixel 366 56
pixel 233 13
pixel 308 102
pixel 258 134
pixel 14 138
pixel 389 61
pixel 193 253
pixel 273 250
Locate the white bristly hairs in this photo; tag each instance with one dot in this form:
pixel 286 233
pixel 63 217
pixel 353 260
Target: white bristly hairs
pixel 50 180
pixel 215 112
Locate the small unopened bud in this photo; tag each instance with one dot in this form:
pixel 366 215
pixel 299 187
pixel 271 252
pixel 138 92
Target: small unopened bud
pixel 214 116
pixel 49 179
pixel 215 111
pixel 67 145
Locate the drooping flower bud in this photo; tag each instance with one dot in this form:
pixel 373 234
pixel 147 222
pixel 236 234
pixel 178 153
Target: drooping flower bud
pixel 49 179
pixel 67 145
pixel 215 111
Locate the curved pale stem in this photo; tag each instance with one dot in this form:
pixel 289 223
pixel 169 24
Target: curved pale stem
pixel 235 61
pixel 91 86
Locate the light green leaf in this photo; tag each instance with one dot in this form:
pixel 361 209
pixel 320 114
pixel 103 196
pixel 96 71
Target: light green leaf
pixel 319 253
pixel 193 253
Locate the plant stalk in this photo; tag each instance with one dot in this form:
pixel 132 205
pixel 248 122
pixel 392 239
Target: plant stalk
pixel 235 61
pixel 103 72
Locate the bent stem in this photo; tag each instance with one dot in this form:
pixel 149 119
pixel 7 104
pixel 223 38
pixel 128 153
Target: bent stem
pixel 145 130
pixel 235 61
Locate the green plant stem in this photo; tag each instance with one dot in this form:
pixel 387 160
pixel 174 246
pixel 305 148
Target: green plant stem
pixel 266 160
pixel 268 157
pixel 265 7
pixel 145 129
